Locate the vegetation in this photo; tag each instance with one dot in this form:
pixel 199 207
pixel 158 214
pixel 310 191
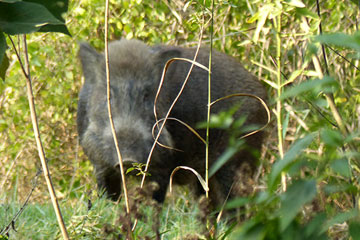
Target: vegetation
pixel 307 184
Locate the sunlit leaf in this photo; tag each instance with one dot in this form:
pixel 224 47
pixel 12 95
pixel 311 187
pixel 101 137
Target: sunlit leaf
pixel 262 16
pixel 293 76
pixel 295 3
pixel 2 237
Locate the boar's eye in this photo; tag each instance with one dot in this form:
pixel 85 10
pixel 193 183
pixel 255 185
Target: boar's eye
pixel 146 95
pixel 147 99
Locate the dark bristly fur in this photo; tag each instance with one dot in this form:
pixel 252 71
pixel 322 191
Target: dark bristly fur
pixel 135 70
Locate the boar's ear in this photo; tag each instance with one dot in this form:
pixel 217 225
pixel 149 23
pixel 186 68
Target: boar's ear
pixel 164 54
pixel 90 61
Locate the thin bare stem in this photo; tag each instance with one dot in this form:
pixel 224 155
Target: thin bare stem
pixel 172 105
pixel 18 56
pixel 278 102
pixel 109 108
pixel 6 230
pixel 209 104
pixel 182 123
pixel 40 147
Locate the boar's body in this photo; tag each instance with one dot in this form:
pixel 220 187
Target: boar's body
pixel 135 72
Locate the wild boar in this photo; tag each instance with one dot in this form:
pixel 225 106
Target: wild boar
pixel 135 73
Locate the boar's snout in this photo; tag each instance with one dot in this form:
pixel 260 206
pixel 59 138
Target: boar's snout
pixel 127 163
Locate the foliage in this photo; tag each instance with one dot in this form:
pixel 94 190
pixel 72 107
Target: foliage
pixel 319 163
pixel 93 217
pixel 19 17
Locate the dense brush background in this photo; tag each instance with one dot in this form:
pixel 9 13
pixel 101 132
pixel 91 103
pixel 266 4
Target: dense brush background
pixel 320 167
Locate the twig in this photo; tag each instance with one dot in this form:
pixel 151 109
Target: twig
pixel 172 105
pixel 11 224
pixel 209 103
pixel 26 70
pixel 347 60
pixel 109 110
pixel 277 22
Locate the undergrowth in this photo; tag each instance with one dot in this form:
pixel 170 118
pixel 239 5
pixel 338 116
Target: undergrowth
pixel 307 184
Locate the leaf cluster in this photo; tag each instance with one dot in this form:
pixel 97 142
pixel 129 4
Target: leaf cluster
pixel 27 16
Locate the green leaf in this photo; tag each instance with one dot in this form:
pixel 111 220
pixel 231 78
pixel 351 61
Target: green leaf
pixel 312 228
pixel 4 65
pixel 332 138
pixel 289 157
pixel 293 76
pixel 57 8
pixel 236 203
pixel 341 166
pixel 339 219
pixel 251 231
pixel 298 194
pixel 295 3
pixel 229 153
pixel 55 28
pixel 315 86
pixel 354 230
pixel 306 13
pixel 341 40
pixel 261 16
pixel 3 237
pixel 4 61
pixel 3 125
pixel 10 1
pixel 3 46
pixel 335 188
pixel 24 17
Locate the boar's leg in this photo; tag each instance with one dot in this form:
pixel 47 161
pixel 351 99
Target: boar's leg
pixel 162 179
pixel 110 181
pixel 159 194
